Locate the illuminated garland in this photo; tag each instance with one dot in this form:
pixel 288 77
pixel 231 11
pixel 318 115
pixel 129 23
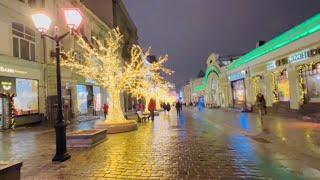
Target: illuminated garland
pixel 302 90
pixel 12 110
pixel 302 87
pixel 275 96
pixel 10 121
pixel 256 88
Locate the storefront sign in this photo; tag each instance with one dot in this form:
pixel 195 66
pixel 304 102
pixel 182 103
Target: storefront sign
pixel 296 57
pixel 7 85
pixel 303 55
pixel 236 76
pixel 11 70
pixel 90 81
pixel 271 65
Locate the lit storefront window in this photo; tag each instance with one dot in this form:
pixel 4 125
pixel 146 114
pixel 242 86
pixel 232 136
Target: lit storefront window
pixel 283 86
pixel 312 81
pixel 27 97
pixel 88 99
pixel 82 99
pixel 238 91
pixel 97 98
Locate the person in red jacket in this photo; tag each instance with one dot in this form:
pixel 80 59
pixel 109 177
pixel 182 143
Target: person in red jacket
pixel 152 108
pixel 105 110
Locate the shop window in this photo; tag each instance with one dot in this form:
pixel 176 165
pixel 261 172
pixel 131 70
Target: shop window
pixel 82 100
pixel 97 98
pixel 27 97
pixel 283 86
pixel 312 81
pixel 23 42
pixel 238 91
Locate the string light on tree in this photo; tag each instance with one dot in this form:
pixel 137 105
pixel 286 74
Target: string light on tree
pixel 105 66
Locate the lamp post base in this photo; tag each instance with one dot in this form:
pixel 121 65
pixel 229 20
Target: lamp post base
pixel 61 144
pixel 61 157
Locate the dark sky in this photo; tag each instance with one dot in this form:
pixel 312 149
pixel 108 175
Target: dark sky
pixel 189 30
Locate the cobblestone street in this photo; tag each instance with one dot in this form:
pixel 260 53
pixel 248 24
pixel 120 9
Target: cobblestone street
pixel 213 144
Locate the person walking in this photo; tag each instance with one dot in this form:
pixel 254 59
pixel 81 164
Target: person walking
pixel 151 108
pixel 178 107
pixel 168 107
pixel 262 108
pixel 261 103
pixel 105 110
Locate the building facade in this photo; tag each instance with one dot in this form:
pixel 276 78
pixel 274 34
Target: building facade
pixel 26 63
pixel 287 75
pixel 190 94
pixel 214 96
pixel 286 70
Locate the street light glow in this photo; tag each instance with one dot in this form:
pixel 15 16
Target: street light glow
pixel 41 21
pixel 73 17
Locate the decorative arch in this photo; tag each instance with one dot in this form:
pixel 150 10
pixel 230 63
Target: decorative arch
pixel 210 69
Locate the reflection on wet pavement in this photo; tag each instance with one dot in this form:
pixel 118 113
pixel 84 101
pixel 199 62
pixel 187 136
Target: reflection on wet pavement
pixel 211 144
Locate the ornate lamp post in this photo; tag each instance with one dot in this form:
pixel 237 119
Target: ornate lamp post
pixel 42 23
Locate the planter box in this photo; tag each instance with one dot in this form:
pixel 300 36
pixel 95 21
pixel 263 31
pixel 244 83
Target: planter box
pixel 117 127
pixel 10 171
pixel 85 138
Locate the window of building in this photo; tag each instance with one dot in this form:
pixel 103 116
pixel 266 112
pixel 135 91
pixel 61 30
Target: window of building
pixel 32 3
pixel 26 100
pixel 23 42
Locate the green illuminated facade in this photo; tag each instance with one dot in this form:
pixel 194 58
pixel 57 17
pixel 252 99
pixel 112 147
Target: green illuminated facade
pixel 274 74
pixel 211 69
pixel 307 28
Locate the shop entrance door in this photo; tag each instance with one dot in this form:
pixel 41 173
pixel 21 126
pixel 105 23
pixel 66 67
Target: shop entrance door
pixel 4 112
pixel 238 93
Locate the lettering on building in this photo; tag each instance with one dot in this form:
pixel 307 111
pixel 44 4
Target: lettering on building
pixel 303 55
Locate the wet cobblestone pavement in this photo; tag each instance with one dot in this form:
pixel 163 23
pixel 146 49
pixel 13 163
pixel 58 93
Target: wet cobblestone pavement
pixel 213 144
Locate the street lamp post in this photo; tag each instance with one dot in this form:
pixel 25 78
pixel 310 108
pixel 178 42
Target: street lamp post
pixel 42 23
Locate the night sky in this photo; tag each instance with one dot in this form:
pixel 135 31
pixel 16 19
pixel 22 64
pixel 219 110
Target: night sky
pixel 189 30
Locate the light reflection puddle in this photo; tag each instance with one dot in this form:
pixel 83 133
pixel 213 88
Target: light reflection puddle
pixel 242 147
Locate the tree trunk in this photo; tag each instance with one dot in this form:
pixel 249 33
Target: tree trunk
pixel 158 105
pixel 115 113
pixel 147 103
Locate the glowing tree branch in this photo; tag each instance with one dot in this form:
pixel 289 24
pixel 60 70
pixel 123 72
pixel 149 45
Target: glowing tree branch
pixel 105 65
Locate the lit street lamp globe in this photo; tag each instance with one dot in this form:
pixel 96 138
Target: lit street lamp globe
pixel 41 21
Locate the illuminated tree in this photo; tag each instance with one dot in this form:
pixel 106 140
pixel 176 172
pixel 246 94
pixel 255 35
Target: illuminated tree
pixel 105 65
pixel 158 90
